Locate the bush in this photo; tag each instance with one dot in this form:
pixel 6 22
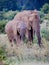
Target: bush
pixel 9 15
pixel 2 25
pixel 46 16
pixel 45 34
pixel 3 56
pixel 4 17
pixel 41 16
pixel 45 8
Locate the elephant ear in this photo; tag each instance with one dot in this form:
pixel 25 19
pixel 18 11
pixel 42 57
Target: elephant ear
pixel 36 12
pixel 31 17
pixel 34 15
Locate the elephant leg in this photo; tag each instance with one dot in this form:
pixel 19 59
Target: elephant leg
pixel 22 37
pixel 31 34
pixel 38 36
pixel 30 37
pixel 22 34
pixel 10 37
pixel 18 36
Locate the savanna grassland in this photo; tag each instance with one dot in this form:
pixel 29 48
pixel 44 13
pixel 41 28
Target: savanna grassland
pixel 25 54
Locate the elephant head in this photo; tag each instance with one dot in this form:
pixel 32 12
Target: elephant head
pixel 21 30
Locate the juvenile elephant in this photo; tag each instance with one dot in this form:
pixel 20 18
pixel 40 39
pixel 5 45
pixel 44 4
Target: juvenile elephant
pixel 15 30
pixel 21 29
pixel 9 31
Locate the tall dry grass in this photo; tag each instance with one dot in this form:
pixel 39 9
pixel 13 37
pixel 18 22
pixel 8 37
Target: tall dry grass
pixel 25 53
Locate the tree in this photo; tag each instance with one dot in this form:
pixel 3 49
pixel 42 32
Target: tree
pixel 45 8
pixel 21 4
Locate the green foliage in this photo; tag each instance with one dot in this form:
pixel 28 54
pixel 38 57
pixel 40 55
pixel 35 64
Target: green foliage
pixel 21 4
pixel 5 17
pixel 45 34
pixel 2 54
pixel 2 25
pixel 9 15
pixel 45 8
pixel 46 16
pixel 41 16
pixel 1 15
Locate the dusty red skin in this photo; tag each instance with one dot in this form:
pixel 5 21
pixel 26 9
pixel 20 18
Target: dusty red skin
pixel 31 19
pixel 35 23
pixel 11 29
pixel 32 22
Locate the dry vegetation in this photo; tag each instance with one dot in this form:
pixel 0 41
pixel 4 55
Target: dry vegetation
pixel 22 53
pixel 26 54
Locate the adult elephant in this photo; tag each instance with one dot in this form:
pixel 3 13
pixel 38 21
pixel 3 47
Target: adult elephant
pixel 35 25
pixel 32 21
pixel 24 16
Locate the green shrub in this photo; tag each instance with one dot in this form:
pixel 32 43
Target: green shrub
pixel 2 26
pixel 41 16
pixel 45 34
pixel 2 54
pixel 5 17
pixel 9 15
pixel 46 16
pixel 45 8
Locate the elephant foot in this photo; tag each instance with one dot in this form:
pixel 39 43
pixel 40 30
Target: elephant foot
pixel 41 45
pixel 11 43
